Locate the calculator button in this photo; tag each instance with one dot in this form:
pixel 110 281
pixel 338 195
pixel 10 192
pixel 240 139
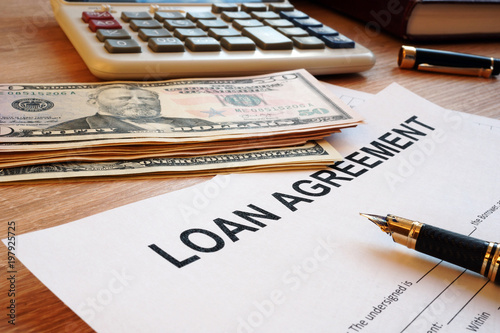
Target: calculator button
pixel 220 33
pixel 253 7
pixel 310 42
pixel 280 23
pixel 202 44
pixel 207 24
pixel 174 24
pixel 165 44
pixel 87 16
pixel 146 34
pixel 264 15
pixel 122 46
pixel 296 14
pixel 281 7
pixel 237 44
pixel 240 24
pixel 295 31
pixel 231 16
pixel 224 7
pixel 182 34
pixel 103 34
pixel 127 16
pixel 162 16
pixel 103 24
pixel 195 16
pixel 338 42
pixel 308 22
pixel 322 31
pixel 144 24
pixel 268 39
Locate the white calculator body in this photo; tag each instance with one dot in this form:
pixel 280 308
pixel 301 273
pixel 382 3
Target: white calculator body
pixel 146 40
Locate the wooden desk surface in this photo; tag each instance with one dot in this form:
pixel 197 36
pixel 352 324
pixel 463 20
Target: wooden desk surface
pixel 35 50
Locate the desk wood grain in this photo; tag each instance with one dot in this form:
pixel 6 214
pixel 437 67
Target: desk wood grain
pixel 35 50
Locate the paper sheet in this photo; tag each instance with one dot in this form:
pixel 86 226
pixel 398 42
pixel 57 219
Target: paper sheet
pixel 288 252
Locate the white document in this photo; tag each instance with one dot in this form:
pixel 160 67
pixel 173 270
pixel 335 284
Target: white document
pixel 353 98
pixel 288 252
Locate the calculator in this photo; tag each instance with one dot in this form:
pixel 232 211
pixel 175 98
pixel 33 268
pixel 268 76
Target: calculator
pixel 161 39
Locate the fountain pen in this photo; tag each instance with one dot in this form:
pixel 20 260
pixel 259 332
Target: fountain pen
pixel 471 253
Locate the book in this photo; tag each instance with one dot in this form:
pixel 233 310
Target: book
pixel 426 20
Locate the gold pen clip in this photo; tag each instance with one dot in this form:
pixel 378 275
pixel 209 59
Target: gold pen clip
pixel 484 72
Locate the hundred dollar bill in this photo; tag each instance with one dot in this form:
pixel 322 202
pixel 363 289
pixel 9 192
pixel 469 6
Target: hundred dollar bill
pixel 311 154
pixel 280 103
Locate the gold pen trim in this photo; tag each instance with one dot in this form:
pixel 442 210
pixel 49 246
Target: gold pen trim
pixel 492 273
pixel 407 56
pixel 404 231
pixel 413 235
pixel 483 72
pixel 487 258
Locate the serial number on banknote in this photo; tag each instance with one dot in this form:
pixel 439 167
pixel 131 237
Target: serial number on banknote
pixel 38 93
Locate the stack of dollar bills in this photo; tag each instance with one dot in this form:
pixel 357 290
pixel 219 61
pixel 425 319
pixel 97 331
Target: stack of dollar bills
pixel 168 128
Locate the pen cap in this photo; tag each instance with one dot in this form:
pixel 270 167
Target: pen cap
pixel 410 57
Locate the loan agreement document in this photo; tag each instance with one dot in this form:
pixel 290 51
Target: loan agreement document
pixel 288 252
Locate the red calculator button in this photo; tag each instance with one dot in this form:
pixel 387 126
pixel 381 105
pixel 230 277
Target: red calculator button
pixel 103 24
pixel 87 16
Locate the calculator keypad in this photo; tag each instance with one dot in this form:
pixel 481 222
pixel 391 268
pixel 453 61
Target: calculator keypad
pixel 226 27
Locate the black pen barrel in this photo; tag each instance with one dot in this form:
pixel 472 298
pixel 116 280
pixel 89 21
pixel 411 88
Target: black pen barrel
pixel 464 251
pixel 453 59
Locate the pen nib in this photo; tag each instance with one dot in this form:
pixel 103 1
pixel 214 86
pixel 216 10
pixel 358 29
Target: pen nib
pixel 380 221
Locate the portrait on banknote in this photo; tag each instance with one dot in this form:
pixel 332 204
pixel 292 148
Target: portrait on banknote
pixel 127 107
